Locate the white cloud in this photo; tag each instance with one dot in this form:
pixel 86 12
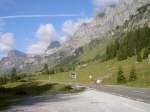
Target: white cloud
pixel 37 48
pixel 101 5
pixel 7 42
pixel 45 34
pixel 70 27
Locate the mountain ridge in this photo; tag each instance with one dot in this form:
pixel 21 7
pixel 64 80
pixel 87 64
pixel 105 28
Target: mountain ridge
pixel 124 16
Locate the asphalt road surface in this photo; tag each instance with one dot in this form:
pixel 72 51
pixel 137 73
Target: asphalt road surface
pixel 87 101
pixel 139 94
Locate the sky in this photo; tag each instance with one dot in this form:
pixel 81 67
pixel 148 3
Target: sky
pixel 31 25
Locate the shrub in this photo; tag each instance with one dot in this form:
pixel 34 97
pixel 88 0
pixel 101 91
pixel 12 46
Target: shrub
pixel 3 80
pixel 146 53
pixel 52 71
pixel 132 76
pixel 120 76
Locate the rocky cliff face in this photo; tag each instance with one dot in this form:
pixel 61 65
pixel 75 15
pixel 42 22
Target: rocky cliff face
pixel 21 61
pixel 16 54
pixel 54 44
pixel 53 47
pixel 101 25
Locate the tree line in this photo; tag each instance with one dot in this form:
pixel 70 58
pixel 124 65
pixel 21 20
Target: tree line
pixel 133 43
pixel 13 76
pixel 58 69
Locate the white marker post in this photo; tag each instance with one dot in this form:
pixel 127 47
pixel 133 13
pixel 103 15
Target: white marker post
pixel 149 58
pixel 98 81
pixel 90 77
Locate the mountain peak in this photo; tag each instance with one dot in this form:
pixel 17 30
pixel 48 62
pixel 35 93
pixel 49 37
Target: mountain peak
pixel 54 44
pixel 16 53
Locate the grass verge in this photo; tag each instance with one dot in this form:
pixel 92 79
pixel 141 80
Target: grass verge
pixel 9 93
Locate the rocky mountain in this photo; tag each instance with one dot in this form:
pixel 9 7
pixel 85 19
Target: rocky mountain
pixel 16 54
pixel 103 25
pixel 53 48
pixel 125 15
pixel 54 44
pixel 21 61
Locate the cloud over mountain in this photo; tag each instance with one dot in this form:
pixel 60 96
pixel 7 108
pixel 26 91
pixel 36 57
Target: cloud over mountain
pixel 70 27
pixel 7 42
pixel 101 5
pixel 45 34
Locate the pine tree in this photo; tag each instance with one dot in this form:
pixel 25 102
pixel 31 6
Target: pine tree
pixel 139 58
pixel 117 44
pixel 132 76
pixel 111 50
pixel 13 75
pixel 122 54
pixel 46 70
pixel 120 77
pixel 132 43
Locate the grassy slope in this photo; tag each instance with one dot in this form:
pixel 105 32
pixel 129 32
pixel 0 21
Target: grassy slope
pixel 100 69
pixel 95 69
pixel 142 71
pixel 93 50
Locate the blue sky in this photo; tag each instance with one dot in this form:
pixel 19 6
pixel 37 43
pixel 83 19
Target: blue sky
pixel 19 23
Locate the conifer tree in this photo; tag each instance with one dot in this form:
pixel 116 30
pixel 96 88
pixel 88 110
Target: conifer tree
pixel 139 58
pixel 120 77
pixel 46 70
pixel 13 75
pixel 132 76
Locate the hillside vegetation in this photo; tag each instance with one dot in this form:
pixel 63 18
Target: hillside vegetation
pixel 102 58
pixel 106 71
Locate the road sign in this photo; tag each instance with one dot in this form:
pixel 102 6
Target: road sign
pixel 73 75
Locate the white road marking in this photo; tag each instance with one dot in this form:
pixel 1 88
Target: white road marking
pixel 139 92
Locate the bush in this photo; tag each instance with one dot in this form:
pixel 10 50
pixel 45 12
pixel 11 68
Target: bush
pixel 120 76
pixel 3 80
pixel 146 53
pixel 132 76
pixel 52 71
pixel 68 87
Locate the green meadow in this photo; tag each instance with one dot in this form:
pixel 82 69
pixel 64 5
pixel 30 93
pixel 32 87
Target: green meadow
pixel 106 71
